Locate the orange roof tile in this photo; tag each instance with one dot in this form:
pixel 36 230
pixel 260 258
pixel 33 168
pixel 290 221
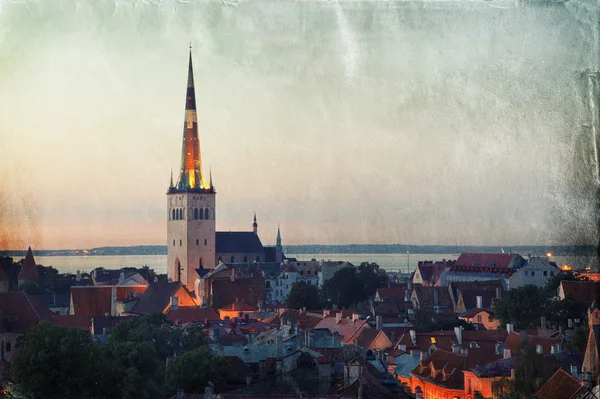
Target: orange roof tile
pixel 189 314
pixel 91 301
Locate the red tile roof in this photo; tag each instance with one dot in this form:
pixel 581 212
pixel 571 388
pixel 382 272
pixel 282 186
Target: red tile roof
pixel 91 301
pixel 28 270
pixel 347 328
pixel 514 339
pixel 19 312
pixel 390 293
pixel 469 259
pixel 442 368
pixel 586 291
pixel 190 314
pixel 245 307
pixel 560 386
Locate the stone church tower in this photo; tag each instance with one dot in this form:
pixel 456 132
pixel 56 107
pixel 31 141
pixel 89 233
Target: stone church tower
pixel 191 204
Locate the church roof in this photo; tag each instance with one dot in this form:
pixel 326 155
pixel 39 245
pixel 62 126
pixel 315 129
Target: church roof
pixel 28 270
pixel 232 242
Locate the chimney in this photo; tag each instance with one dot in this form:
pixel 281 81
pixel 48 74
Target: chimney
pixel 335 306
pixel 279 345
pixel 574 370
pixel 354 316
pixel 458 333
pixel 509 327
pixel 539 349
pixel 232 278
pixel 356 343
pixel 479 302
pixel 156 279
pixel 507 353
pixel 378 323
pixel 413 336
pixel 78 275
pixel 570 323
pixel 338 317
pixel 325 312
pixel 422 355
pixel 121 278
pixel 512 374
pixel 174 303
pixel 208 390
pixel 409 285
pixel 498 293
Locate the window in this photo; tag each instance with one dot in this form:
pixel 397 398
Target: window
pixel 8 347
pixel 490 318
pixel 173 242
pixel 173 213
pixel 197 242
pixel 206 243
pixel 526 273
pixel 231 260
pixel 180 242
pixel 532 273
pixel 478 318
pixel 545 274
pixel 258 258
pixel 206 214
pixel 552 273
pixel 195 213
pixel 245 259
pixel 268 284
pixel 201 214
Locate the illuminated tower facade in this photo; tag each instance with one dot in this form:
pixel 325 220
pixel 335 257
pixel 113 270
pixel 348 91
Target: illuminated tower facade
pixel 191 204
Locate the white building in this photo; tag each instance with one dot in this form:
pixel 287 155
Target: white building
pixel 537 271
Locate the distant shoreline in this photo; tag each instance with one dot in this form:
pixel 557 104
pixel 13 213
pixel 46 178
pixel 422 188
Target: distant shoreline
pixel 535 250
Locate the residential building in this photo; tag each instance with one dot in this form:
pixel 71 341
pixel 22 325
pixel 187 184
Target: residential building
pixel 537 271
pixel 482 266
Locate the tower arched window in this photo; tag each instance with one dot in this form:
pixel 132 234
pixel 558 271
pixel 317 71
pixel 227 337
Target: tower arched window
pixel 195 213
pixel 201 214
pixel 232 259
pixel 206 214
pixel 197 242
pixel 173 214
pixel 180 242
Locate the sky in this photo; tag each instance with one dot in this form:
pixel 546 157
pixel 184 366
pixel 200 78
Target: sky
pixel 342 122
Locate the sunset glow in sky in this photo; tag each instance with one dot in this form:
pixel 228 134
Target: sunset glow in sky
pixel 342 122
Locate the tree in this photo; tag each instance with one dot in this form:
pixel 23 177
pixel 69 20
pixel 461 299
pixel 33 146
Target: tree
pixel 425 321
pixel 351 285
pixel 559 311
pixel 54 362
pixel 580 338
pixel 154 328
pixel 303 295
pixel 194 369
pixel 522 306
pixel 129 370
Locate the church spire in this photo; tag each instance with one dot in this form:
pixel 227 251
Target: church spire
pixel 278 243
pixel 255 225
pixel 191 176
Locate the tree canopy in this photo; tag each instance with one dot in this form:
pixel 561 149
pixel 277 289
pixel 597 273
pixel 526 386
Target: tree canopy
pixel 194 369
pixel 303 295
pixel 351 285
pixel 522 307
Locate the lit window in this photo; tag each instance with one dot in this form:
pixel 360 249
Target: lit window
pixel 432 340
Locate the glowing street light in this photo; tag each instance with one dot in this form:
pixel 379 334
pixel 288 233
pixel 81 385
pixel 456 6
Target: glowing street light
pixel 549 254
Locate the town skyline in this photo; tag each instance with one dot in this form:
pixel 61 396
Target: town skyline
pixel 340 142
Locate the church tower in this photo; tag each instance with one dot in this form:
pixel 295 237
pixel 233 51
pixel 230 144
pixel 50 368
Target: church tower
pixel 191 204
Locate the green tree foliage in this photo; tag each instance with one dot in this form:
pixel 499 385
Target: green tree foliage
pixel 194 369
pixel 54 362
pixel 303 295
pixel 425 321
pixel 559 311
pixel 129 370
pixel 351 285
pixel 580 338
pixel 154 328
pixel 521 306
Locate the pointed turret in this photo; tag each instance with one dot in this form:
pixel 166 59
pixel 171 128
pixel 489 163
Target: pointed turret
pixel 28 270
pixel 255 225
pixel 191 176
pixel 171 186
pixel 278 243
